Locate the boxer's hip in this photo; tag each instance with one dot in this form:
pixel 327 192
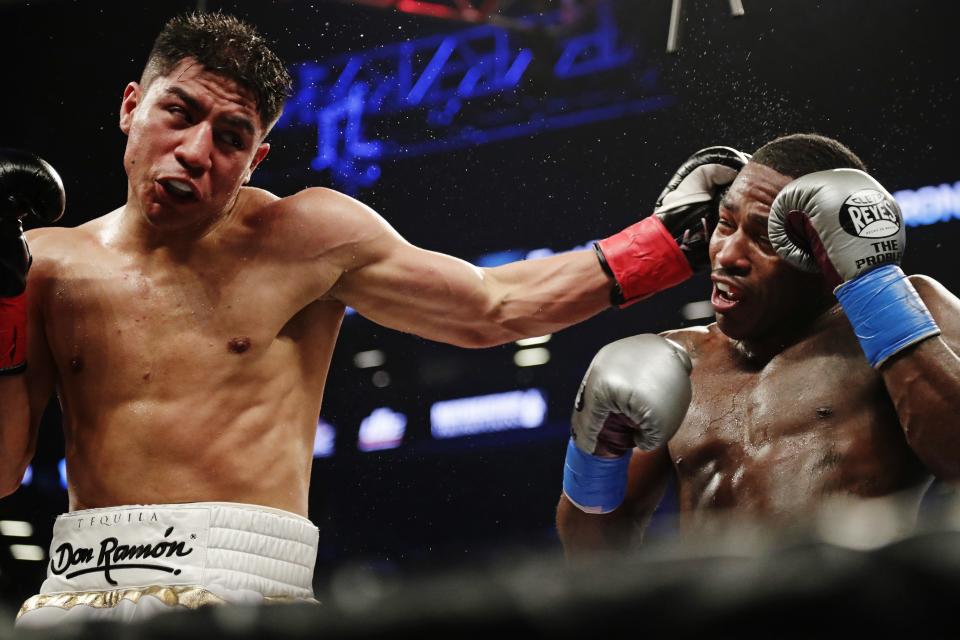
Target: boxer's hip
pixel 178 555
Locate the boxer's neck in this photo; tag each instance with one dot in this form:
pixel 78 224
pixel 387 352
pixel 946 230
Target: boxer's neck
pixel 759 350
pixel 136 231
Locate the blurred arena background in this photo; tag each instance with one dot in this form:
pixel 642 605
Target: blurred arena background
pixel 492 130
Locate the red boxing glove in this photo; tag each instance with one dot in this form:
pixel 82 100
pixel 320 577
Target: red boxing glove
pixel 668 247
pixel 13 334
pixel 643 259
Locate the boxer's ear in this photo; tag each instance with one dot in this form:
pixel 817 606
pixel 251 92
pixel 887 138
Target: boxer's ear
pixel 131 100
pixel 258 157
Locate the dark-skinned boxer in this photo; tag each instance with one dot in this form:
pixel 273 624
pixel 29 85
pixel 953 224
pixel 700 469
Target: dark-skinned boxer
pixel 828 375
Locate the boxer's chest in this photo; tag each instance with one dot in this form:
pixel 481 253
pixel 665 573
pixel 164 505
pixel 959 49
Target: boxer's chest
pixel 804 407
pixel 117 313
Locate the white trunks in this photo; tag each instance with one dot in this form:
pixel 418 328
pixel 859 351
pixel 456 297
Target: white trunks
pixel 130 562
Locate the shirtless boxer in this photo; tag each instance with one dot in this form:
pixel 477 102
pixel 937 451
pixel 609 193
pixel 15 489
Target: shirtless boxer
pixel 796 400
pixel 189 332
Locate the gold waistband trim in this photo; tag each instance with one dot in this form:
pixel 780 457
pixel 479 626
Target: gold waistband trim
pixel 190 597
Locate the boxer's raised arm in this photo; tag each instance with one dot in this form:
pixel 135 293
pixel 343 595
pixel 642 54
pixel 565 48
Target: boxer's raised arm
pixel 924 383
pixel 585 533
pixel 24 397
pixel 634 394
pixel 28 185
pixel 843 223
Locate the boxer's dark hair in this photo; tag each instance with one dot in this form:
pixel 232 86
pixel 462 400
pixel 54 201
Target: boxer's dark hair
pixel 802 153
pixel 228 46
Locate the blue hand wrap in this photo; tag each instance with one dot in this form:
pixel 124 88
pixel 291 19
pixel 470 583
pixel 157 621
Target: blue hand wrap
pixel 886 312
pixel 594 485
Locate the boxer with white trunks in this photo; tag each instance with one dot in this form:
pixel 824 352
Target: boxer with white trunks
pixel 127 563
pixel 188 333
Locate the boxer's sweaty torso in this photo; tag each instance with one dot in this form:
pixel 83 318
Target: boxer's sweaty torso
pixel 772 439
pixel 190 377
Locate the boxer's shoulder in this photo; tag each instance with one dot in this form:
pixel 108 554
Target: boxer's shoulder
pixel 321 222
pixel 54 247
pixel 312 209
pixel 696 340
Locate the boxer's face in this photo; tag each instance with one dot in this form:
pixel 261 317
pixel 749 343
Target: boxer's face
pixel 756 294
pixel 194 138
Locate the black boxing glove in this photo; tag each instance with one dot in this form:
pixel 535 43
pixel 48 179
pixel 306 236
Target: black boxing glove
pixel 666 248
pixel 28 185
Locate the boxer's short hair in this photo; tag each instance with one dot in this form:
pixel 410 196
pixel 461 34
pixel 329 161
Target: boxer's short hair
pixel 227 46
pixel 798 154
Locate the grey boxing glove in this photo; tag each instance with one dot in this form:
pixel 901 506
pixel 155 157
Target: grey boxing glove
pixel 635 393
pixel 845 225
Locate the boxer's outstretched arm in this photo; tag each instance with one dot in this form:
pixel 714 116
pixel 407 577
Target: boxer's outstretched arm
pixel 442 298
pixel 584 533
pixel 924 383
pixel 439 297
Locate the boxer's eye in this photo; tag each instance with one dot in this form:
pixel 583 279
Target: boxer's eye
pixel 179 112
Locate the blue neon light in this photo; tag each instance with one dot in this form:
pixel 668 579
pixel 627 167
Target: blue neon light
pixel 928 205
pixel 415 94
pixel 62 470
pixel 525 409
pixel 382 429
pixel 324 440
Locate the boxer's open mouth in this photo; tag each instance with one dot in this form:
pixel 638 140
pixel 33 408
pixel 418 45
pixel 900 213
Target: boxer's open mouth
pixel 178 189
pixel 725 296
pixel 727 292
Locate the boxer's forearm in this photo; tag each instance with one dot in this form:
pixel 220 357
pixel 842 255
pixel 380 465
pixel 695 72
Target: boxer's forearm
pixel 536 297
pixel 442 298
pixel 924 383
pixel 17 439
pixel 585 533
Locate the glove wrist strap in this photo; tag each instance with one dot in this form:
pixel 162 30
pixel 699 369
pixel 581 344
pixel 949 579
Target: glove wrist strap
pixel 886 312
pixel 592 484
pixel 13 334
pixel 643 259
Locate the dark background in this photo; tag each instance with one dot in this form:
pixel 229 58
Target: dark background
pixel 881 77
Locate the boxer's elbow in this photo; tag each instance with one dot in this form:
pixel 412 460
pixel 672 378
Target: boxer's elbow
pixel 479 337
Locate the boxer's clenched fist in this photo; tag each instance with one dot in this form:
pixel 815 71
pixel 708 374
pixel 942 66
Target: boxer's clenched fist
pixel 666 248
pixel 635 393
pixel 843 223
pixel 28 185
